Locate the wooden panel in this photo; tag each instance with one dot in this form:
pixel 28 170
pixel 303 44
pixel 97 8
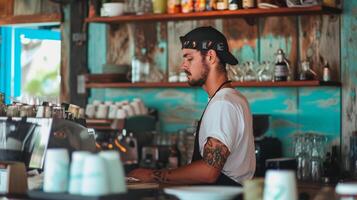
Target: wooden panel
pixel 30 7
pixel 151 37
pixel 47 6
pixel 320 42
pixel 6 7
pixel 279 32
pixel 348 73
pixel 242 36
pixel 175 30
pixel 31 19
pixel 27 7
pixel 120 44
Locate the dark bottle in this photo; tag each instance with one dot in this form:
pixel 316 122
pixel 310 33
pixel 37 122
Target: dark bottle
pixel 281 69
pixel 334 170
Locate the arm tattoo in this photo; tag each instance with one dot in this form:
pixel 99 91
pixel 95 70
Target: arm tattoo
pixel 215 153
pixel 161 176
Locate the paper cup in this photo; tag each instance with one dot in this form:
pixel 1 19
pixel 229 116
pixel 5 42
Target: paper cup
pixel 95 181
pixel 56 171
pixel 115 168
pixel 280 185
pixel 76 171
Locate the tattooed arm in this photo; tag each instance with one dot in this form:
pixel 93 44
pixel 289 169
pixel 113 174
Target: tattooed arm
pixel 207 170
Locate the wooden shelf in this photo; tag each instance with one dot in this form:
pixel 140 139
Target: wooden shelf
pixel 256 12
pixel 235 84
pixel 31 19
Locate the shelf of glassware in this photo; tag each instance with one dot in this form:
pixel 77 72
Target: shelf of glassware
pixel 255 12
pixel 312 83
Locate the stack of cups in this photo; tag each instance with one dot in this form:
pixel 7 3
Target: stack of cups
pixel 88 175
pixel 56 171
pixel 280 185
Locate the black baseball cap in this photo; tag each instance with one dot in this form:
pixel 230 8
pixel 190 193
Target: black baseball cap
pixel 205 38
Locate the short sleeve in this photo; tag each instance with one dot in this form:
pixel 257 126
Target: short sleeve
pixel 220 121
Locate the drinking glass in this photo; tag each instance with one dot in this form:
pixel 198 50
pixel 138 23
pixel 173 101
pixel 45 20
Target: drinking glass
pixel 265 72
pixel 250 73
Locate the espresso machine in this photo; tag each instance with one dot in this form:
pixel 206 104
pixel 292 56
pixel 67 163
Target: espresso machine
pixel 27 139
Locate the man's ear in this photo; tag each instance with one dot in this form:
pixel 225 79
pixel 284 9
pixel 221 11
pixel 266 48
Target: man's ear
pixel 212 56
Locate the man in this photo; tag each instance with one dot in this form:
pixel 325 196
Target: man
pixel 224 152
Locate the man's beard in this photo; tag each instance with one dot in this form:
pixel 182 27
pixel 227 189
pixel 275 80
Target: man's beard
pixel 202 80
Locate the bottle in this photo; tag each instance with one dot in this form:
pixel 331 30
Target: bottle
pixel 211 5
pixel 173 6
pixel 248 4
pixel 200 5
pixel 281 70
pixel 326 73
pixel 187 6
pixel 233 5
pixel 222 4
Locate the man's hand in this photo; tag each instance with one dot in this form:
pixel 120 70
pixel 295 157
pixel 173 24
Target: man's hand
pixel 144 175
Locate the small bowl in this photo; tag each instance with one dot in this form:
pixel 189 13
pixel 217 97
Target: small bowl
pixel 112 9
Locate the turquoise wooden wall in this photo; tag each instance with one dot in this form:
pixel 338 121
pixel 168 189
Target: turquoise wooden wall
pixel 292 110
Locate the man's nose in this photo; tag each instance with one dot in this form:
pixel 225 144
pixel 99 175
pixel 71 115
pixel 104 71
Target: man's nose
pixel 183 66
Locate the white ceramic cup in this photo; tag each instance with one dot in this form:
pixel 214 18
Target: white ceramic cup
pixel 76 171
pixel 280 185
pixel 90 111
pixel 96 102
pixel 112 111
pixel 95 181
pixel 102 111
pixel 108 103
pixel 56 171
pixel 115 168
pixel 121 114
pixel 136 107
pixel 112 9
pixel 129 110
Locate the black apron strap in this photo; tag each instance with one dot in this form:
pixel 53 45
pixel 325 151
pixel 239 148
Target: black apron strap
pixel 222 179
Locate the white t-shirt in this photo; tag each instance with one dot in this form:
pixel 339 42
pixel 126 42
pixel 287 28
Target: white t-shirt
pixel 228 119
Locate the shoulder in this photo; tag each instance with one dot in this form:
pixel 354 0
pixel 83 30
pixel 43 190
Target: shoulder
pixel 228 97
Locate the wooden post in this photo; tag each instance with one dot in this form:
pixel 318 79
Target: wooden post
pixel 74 55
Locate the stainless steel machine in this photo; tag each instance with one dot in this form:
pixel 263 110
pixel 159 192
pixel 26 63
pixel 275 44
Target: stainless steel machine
pixel 27 139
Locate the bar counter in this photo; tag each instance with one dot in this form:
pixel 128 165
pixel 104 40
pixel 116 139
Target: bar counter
pixel 306 190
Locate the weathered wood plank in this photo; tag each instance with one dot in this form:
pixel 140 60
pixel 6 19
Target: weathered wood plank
pixel 30 7
pixel 242 36
pixel 6 7
pixel 319 39
pixel 27 7
pixel 120 44
pixel 279 32
pixel 349 73
pixel 175 30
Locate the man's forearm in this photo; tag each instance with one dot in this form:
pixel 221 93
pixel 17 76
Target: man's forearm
pixel 194 173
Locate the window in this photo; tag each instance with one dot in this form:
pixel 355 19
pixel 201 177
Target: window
pixel 30 64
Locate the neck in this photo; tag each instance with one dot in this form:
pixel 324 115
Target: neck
pixel 214 80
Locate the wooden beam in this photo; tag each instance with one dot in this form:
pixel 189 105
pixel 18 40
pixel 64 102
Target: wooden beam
pixel 75 56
